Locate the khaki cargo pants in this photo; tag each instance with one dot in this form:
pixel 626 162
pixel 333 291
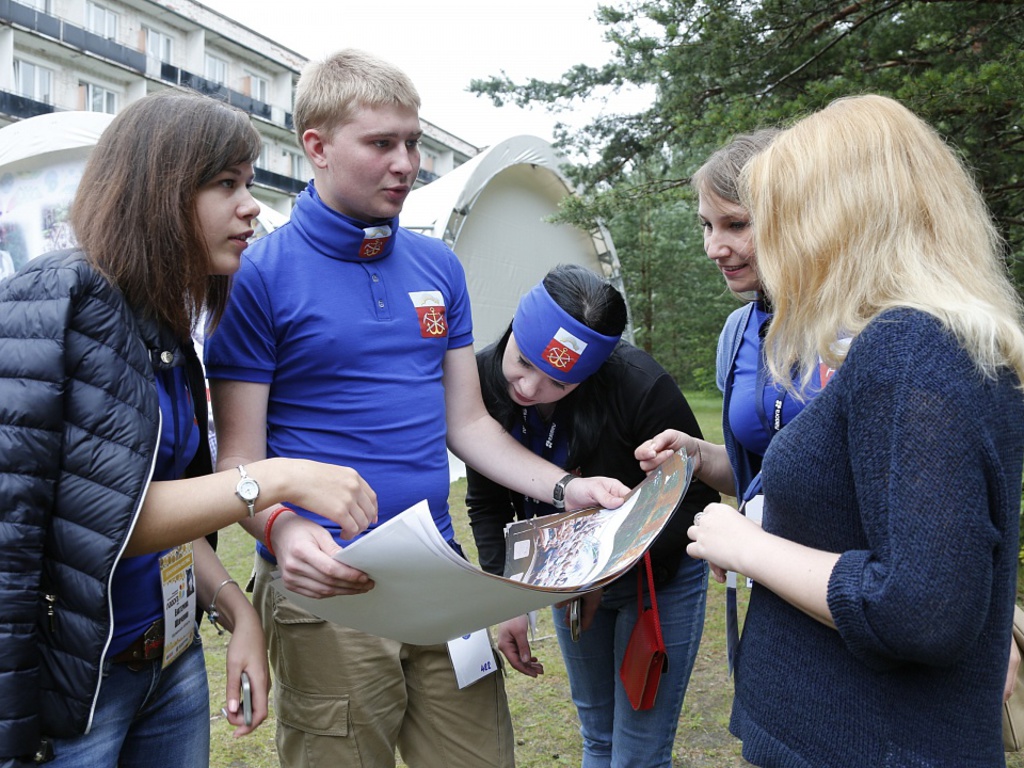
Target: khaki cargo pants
pixel 345 698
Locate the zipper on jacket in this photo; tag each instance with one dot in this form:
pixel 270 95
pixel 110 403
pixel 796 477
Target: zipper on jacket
pixel 51 614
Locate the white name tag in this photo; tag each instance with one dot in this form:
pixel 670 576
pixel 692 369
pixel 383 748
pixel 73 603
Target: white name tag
pixel 755 511
pixel 472 657
pixel 754 508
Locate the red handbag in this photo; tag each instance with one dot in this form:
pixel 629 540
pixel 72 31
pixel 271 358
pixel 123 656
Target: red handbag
pixel 645 659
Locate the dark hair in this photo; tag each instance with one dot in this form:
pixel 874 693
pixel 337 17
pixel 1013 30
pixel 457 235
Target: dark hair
pixel 134 214
pixel 593 301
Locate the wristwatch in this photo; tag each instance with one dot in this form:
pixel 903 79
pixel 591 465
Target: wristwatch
pixel 248 490
pixel 558 497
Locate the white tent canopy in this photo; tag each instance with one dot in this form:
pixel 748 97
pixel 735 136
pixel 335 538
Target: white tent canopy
pixel 41 163
pixel 493 212
pixel 62 134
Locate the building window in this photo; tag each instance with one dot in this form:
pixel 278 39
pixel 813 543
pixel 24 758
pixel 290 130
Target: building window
pixel 428 159
pixel 39 5
pixel 96 98
pixel 296 165
pixel 159 46
pixel 216 69
pixel 33 81
pixel 263 161
pixel 100 20
pixel 259 88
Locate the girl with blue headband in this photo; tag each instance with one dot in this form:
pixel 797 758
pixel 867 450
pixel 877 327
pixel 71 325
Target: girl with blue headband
pixel 561 381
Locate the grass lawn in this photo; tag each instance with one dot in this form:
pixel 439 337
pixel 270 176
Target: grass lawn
pixel 546 727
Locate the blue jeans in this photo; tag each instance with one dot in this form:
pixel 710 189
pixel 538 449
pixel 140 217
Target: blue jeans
pixel 146 717
pixel 614 734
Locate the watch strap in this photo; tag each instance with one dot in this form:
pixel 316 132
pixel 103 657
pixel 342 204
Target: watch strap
pixel 558 495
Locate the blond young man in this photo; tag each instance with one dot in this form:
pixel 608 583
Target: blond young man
pixel 350 339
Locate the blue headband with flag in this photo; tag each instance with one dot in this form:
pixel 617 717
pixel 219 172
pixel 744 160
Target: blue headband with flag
pixel 555 342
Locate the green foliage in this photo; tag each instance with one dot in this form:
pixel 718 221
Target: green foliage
pixel 676 295
pixel 720 67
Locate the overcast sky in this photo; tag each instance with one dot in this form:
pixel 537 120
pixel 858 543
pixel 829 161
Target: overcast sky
pixel 442 45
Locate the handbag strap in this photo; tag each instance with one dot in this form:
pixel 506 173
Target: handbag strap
pixel 654 599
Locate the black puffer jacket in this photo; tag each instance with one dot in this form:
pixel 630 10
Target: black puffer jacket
pixel 79 426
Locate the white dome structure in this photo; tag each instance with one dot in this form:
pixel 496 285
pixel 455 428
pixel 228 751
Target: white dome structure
pixel 494 212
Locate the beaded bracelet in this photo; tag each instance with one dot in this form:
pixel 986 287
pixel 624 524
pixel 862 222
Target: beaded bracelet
pixel 212 610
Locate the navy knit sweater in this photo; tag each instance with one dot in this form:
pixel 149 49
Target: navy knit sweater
pixel 909 465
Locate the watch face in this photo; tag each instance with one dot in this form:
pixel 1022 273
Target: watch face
pixel 248 489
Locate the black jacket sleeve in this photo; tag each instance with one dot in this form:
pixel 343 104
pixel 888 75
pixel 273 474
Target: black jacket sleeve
pixel 645 401
pixel 491 508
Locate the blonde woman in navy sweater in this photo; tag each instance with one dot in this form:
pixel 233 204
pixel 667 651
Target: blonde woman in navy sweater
pixel 885 570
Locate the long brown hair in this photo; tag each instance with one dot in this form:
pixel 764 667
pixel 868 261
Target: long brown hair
pixel 134 214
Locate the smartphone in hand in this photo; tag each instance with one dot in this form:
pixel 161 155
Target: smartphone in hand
pixel 246 699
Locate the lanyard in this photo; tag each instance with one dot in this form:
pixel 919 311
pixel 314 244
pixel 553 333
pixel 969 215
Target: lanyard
pixel 773 424
pixel 175 384
pixel 554 447
pixel 752 490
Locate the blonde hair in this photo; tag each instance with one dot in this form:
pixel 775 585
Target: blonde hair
pixel 860 208
pixel 329 91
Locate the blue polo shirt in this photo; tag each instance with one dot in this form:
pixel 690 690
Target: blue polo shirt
pixel 759 408
pixel 349 324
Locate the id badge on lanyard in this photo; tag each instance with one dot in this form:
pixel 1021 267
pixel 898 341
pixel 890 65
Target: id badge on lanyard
pixel 177 574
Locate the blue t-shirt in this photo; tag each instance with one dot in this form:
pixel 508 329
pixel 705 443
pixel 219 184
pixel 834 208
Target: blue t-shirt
pixel 137 592
pixel 349 324
pixel 758 408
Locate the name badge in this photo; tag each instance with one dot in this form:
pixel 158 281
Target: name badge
pixel 472 657
pixel 178 576
pixel 754 510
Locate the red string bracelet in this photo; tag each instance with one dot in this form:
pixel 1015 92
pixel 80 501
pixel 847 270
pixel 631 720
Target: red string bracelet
pixel 269 525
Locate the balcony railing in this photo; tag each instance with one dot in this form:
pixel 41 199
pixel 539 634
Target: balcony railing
pixel 72 35
pixel 176 76
pixel 279 181
pixel 84 40
pixel 22 106
pixel 249 104
pixel 29 17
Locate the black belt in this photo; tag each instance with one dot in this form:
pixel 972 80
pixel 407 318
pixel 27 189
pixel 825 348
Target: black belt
pixel 149 646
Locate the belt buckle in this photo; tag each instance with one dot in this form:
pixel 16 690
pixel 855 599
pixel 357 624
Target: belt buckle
pixel 153 641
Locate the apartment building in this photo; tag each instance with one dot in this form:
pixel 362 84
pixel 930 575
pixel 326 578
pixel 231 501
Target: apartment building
pixel 100 55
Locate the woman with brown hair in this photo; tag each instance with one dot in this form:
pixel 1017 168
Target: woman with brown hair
pixel 106 494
